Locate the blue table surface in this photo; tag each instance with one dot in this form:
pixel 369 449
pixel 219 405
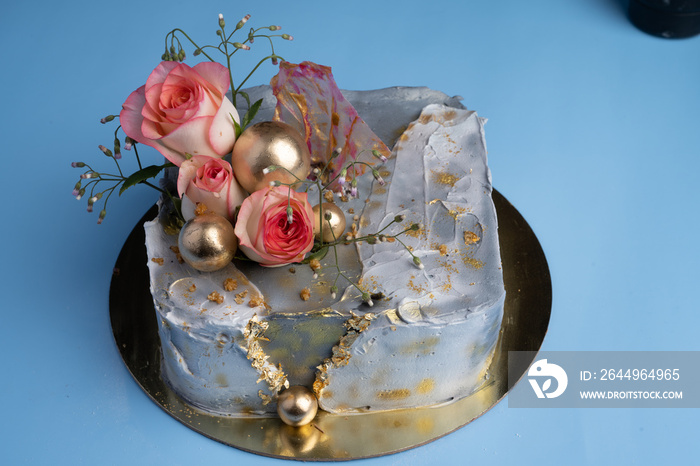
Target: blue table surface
pixel 592 135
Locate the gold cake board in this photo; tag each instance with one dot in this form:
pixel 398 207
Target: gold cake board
pixel 330 436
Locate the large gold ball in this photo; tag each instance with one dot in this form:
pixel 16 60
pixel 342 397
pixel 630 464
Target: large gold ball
pixel 207 242
pixel 333 228
pixel 297 405
pixel 266 144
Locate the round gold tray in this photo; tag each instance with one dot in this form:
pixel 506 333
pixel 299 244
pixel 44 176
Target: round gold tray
pixel 339 437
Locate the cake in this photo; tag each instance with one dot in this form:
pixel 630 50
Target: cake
pixel 232 339
pixel 297 262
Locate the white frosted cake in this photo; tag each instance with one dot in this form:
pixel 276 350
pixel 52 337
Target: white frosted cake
pixel 233 338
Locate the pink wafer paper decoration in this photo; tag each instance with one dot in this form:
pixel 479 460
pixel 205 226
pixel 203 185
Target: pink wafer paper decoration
pixel 309 100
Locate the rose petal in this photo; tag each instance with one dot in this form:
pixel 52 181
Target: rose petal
pixel 222 133
pixel 190 138
pixel 183 90
pixel 187 171
pixel 214 73
pixel 250 212
pixel 161 72
pixel 130 117
pixel 132 122
pixel 179 103
pixel 251 253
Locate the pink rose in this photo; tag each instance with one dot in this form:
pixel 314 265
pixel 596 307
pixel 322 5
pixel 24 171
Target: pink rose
pixel 263 230
pixel 209 180
pixel 182 110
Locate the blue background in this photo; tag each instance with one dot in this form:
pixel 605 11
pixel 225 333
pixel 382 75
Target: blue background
pixel 592 135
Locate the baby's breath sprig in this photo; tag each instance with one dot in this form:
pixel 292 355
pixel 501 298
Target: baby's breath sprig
pixel 341 177
pixel 366 297
pixel 92 182
pixel 228 47
pixel 416 260
pixel 371 238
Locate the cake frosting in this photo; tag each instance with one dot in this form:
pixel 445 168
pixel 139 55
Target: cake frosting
pixel 233 338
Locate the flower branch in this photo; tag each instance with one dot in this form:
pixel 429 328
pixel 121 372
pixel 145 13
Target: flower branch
pixel 113 181
pixel 227 47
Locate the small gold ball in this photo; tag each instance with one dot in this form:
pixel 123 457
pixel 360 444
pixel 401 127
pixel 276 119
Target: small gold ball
pixel 297 406
pixel 207 242
pixel 266 144
pixel 332 229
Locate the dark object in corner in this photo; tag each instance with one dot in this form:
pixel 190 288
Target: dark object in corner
pixel 670 19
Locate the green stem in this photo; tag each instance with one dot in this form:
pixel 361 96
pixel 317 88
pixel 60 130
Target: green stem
pixel 255 69
pixel 340 273
pixel 162 191
pixel 197 47
pixel 136 153
pixel 234 91
pixel 320 211
pixel 111 190
pixel 405 247
pixel 224 42
pixel 388 225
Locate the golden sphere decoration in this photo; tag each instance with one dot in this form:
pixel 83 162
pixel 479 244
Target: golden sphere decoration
pixel 297 406
pixel 333 228
pixel 207 242
pixel 266 144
